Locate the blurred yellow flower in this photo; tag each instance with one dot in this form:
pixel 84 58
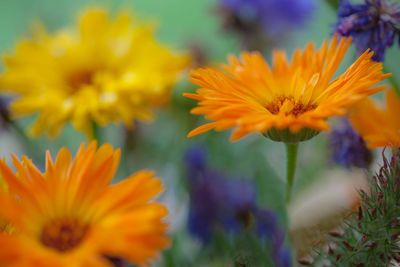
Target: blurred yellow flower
pixel 108 70
pixel 378 126
pixel 289 100
pixel 70 215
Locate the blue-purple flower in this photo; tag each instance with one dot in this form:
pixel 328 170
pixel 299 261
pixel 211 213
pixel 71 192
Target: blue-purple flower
pixel 373 24
pixel 267 227
pixel 221 203
pixel 260 20
pixel 348 149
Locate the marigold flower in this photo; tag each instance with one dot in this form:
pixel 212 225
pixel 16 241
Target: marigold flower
pixel 69 215
pixel 107 70
pixel 378 126
pixel 289 101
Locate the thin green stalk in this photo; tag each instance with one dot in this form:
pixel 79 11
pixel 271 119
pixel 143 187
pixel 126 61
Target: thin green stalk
pixel 291 156
pixel 96 132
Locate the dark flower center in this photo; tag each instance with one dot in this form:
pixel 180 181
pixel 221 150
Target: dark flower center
pixel 80 78
pixel 63 234
pixel 289 106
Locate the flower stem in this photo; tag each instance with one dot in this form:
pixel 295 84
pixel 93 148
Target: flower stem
pixel 291 155
pixel 96 133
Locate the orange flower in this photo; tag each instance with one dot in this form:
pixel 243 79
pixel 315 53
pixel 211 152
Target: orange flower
pixel 69 215
pixel 378 126
pixel 288 99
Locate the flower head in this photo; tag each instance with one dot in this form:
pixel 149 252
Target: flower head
pixel 348 148
pixel 373 24
pixel 107 70
pixel 255 20
pixel 378 126
pixel 290 101
pixel 71 215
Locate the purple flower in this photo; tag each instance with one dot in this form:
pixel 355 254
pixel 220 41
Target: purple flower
pixel 219 202
pixel 373 24
pixel 214 199
pixel 267 227
pixel 257 20
pixel 348 148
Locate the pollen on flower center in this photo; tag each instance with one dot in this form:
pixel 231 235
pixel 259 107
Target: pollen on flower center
pixel 63 234
pixel 288 106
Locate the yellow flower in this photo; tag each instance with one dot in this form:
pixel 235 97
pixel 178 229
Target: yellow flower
pixel 378 126
pixel 108 70
pixel 70 215
pixel 289 101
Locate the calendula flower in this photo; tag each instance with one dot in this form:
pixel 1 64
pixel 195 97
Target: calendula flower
pixel 378 126
pixel 70 215
pixel 107 70
pixel 289 101
pixel 374 24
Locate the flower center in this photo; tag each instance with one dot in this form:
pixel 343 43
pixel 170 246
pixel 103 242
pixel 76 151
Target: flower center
pixel 5 227
pixel 288 106
pixel 80 78
pixel 63 234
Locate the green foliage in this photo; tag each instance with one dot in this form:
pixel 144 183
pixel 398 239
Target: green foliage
pixel 370 236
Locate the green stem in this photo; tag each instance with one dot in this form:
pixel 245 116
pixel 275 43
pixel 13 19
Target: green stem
pixel 291 155
pixel 96 133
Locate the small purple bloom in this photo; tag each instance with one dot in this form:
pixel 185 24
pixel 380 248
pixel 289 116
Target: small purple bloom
pixel 214 199
pixel 257 20
pixel 220 202
pixel 267 227
pixel 348 148
pixel 373 24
